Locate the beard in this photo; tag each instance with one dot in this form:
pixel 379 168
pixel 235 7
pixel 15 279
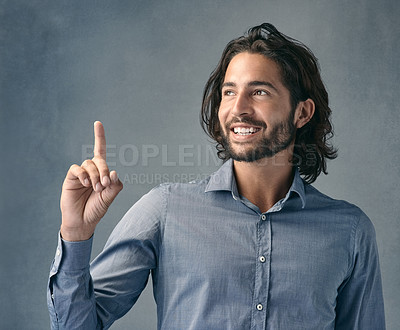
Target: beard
pixel 278 139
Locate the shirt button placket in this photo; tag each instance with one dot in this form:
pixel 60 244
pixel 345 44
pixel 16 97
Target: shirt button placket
pixel 262 273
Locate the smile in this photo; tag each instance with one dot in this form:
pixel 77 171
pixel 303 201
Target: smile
pixel 245 130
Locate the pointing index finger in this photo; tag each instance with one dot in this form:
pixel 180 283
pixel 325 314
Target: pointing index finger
pixel 99 140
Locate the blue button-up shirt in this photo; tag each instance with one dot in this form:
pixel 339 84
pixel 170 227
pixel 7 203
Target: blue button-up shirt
pixel 217 262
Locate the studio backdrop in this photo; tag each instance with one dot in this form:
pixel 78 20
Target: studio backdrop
pixel 140 67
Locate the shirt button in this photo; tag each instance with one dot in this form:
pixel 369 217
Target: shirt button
pixel 263 217
pixel 58 252
pixel 259 307
pixel 262 259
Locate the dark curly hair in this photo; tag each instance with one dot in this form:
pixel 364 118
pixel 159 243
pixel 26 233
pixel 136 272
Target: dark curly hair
pixel 300 74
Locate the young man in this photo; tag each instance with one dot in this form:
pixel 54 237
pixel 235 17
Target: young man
pixel 253 246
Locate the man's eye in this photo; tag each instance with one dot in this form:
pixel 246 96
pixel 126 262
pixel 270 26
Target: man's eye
pixel 229 93
pixel 260 92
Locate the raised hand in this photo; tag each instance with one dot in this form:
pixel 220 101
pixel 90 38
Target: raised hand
pixel 88 190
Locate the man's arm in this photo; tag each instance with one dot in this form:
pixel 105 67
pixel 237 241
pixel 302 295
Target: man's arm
pixel 94 297
pixel 79 299
pixel 360 299
pixel 88 190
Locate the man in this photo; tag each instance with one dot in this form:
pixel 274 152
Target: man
pixel 253 246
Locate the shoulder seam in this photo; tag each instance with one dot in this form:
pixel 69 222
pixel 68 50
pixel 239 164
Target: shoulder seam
pixel 165 189
pixel 353 245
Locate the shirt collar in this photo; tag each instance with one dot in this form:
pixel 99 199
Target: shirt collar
pixel 297 187
pixel 224 179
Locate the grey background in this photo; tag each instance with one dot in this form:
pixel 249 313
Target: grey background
pixel 140 67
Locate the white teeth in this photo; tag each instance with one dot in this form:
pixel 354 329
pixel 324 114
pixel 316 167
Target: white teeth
pixel 244 131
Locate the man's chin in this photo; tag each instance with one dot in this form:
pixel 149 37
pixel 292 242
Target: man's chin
pixel 249 157
pixel 252 155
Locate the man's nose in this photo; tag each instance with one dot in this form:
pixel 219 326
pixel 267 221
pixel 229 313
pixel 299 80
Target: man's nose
pixel 242 106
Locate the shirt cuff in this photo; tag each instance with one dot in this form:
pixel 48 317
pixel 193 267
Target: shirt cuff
pixel 75 255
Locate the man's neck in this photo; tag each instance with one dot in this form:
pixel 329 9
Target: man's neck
pixel 264 182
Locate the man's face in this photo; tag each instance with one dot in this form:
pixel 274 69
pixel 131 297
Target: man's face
pixel 255 113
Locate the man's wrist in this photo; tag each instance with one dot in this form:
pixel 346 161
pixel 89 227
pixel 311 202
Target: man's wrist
pixel 74 235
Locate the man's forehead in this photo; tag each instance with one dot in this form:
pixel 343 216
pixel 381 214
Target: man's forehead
pixel 252 69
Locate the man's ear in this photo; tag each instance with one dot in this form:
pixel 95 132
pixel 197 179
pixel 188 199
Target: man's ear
pixel 304 112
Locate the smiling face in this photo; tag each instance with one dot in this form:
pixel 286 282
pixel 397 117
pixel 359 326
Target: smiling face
pixel 255 114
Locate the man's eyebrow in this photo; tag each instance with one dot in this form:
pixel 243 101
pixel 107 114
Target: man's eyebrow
pixel 252 84
pixel 263 83
pixel 228 84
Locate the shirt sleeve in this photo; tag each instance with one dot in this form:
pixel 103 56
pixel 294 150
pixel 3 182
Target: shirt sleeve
pixel 83 296
pixel 360 299
pixel 69 298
